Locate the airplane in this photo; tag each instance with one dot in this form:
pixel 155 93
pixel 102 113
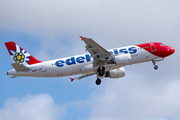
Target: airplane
pixel 99 61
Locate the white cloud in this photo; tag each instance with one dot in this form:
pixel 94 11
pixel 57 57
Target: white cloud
pixel 133 98
pixel 32 107
pixel 118 23
pixel 56 17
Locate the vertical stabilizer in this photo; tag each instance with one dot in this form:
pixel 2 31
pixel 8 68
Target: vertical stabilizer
pixel 19 55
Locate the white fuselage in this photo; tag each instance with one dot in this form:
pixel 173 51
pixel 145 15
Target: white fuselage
pixel 82 64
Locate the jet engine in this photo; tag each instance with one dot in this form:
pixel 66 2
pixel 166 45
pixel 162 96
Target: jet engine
pixel 124 59
pixel 116 73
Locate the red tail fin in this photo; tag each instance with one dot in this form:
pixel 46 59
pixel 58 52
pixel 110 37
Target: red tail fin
pixel 19 55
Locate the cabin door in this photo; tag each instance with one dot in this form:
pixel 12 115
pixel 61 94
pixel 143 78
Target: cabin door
pixel 152 46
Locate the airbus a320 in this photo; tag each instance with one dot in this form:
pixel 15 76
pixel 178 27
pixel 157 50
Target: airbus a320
pixel 99 61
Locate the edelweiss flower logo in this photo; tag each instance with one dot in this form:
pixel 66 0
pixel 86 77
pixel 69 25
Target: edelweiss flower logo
pixel 20 56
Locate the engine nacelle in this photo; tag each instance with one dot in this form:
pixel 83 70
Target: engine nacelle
pixel 124 59
pixel 116 73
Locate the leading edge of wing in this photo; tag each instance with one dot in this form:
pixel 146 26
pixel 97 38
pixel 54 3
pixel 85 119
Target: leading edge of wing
pixel 94 48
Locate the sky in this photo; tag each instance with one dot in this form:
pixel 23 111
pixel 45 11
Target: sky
pixel 51 29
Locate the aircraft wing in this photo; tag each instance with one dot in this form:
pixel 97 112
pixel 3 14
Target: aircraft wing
pixel 81 77
pixel 97 52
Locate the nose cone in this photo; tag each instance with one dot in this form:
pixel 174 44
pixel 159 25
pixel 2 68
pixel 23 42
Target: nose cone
pixel 170 50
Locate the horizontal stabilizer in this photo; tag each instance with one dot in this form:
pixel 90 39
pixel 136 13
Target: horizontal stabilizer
pixel 19 67
pixel 13 76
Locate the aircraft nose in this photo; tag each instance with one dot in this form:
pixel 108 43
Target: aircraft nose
pixel 171 50
pixel 168 50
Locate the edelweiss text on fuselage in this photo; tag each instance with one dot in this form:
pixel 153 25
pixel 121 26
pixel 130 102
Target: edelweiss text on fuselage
pixel 81 59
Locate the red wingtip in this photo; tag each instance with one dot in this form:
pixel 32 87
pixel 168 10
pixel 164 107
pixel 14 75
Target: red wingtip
pixel 71 79
pixel 82 38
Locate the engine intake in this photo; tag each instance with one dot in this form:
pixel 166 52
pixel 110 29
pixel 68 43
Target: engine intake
pixel 116 73
pixel 124 59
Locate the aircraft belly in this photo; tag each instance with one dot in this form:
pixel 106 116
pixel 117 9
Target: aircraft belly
pixel 65 70
pixel 142 56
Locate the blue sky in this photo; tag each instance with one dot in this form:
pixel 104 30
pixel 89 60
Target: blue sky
pixel 51 29
pixel 60 89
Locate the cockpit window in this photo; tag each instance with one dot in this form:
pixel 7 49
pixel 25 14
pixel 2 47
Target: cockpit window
pixel 163 45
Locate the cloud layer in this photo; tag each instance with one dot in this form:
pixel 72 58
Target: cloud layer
pixel 136 99
pixel 32 107
pixel 58 23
